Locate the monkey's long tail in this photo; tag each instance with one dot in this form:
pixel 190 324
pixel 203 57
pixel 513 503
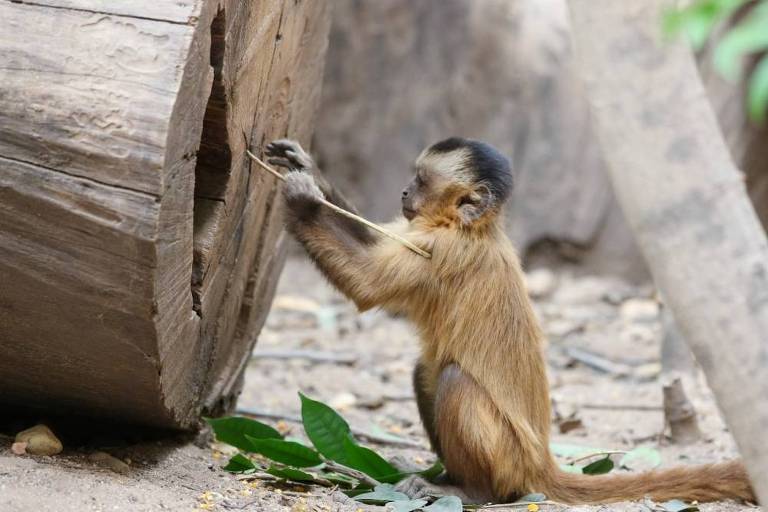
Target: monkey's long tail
pixel 703 483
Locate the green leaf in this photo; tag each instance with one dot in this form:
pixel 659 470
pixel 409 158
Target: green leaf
pixel 432 471
pixel 285 452
pixel 239 464
pixel 288 473
pixel 641 458
pixel 445 504
pixel 599 467
pixel 679 506
pixel 369 462
pixel 757 95
pixel 383 493
pixel 345 481
pixel 749 36
pixel 532 498
pixel 232 430
pixel 697 20
pixel 406 506
pixel 325 428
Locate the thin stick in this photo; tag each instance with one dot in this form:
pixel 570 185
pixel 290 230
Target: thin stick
pixel 346 470
pixel 597 454
pixel 316 356
pixel 347 214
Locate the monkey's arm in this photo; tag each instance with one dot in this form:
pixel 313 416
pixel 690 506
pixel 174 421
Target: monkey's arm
pixel 371 272
pixel 289 154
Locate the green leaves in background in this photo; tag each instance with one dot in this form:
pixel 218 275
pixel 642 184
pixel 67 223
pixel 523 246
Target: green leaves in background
pixel 325 428
pixel 233 430
pixel 289 473
pixel 678 506
pixel 747 37
pixel 285 452
pixel 239 464
pixel 369 462
pixel 445 504
pixel 383 493
pixel 599 467
pixel 407 506
pixel 696 21
pixel 330 434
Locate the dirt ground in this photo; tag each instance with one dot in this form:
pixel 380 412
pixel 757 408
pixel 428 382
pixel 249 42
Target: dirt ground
pixel 315 342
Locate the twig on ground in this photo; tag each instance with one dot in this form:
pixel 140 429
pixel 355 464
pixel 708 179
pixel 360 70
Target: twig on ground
pixel 618 407
pixel 599 362
pixel 596 454
pixel 344 470
pixel 510 505
pixel 368 436
pixel 310 355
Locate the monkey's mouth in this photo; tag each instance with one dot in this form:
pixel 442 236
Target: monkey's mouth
pixel 409 213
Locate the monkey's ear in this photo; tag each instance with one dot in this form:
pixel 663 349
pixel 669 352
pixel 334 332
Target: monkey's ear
pixel 472 206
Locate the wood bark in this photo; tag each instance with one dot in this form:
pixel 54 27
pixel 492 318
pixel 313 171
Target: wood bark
pixel 686 203
pixel 138 252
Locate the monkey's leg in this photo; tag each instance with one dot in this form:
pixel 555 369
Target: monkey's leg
pixel 479 448
pixel 425 401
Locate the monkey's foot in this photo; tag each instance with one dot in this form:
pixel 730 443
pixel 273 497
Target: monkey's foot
pixel 289 153
pixel 416 487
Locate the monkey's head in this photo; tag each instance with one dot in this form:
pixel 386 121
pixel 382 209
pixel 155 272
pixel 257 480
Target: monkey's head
pixel 460 180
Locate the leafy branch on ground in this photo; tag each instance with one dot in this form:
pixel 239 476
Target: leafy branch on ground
pixel 746 37
pixel 336 459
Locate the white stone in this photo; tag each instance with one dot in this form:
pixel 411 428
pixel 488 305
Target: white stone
pixel 540 283
pixel 640 310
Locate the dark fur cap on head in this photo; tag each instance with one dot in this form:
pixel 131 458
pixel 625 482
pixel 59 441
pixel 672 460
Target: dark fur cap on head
pixel 489 166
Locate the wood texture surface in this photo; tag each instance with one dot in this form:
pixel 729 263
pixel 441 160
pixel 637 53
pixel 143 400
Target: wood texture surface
pixel 138 252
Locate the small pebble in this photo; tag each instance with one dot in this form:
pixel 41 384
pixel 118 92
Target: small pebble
pixel 40 441
pixel 540 283
pixel 640 310
pixel 106 460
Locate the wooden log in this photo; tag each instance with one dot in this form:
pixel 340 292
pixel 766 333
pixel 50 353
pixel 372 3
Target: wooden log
pixel 138 252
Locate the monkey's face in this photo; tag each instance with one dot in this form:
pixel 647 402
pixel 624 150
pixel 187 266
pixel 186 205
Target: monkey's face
pixel 445 187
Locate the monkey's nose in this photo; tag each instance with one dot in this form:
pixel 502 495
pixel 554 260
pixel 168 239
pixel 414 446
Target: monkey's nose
pixel 405 193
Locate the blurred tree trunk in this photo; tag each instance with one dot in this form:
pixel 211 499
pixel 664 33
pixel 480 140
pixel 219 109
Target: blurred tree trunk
pixel 686 203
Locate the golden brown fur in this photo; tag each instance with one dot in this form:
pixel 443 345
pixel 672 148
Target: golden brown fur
pixel 481 378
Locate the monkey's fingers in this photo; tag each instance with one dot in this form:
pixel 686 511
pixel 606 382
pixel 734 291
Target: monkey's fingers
pixel 284 162
pixel 280 146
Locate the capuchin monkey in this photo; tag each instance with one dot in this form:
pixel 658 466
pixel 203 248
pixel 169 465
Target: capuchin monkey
pixel 481 383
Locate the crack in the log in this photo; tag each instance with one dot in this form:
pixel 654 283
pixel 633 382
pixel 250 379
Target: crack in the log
pixel 190 21
pixel 142 193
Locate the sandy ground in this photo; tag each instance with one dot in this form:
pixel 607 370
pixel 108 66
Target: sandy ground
pixel 368 380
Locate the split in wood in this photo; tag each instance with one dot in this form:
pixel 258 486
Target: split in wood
pixel 418 250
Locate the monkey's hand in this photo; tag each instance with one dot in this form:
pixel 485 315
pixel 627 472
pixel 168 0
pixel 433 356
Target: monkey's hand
pixel 302 195
pixel 289 154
